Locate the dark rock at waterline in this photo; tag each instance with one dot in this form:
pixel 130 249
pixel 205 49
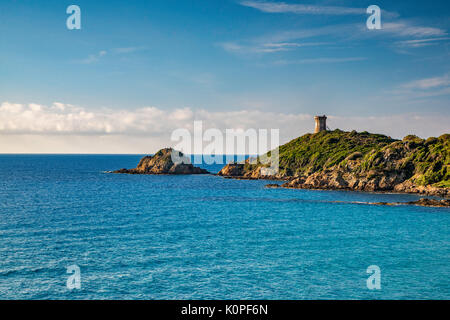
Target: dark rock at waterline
pixel 431 203
pixel 422 202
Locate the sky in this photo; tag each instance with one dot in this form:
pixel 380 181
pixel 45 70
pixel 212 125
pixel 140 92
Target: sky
pixel 138 70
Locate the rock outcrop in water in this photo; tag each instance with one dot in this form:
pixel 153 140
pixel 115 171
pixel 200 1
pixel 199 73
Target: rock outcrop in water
pixel 341 160
pixel 162 163
pixel 421 202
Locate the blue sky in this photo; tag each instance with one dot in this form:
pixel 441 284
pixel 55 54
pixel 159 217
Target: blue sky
pixel 288 57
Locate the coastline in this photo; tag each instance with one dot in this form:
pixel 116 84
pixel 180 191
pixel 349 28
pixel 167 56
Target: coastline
pixel 285 180
pixel 356 161
pixel 442 201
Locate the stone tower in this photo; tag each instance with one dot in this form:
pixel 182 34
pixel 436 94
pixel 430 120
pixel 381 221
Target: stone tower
pixel 321 123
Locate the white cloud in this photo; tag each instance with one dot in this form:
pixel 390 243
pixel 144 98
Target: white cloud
pixel 282 7
pixel 428 83
pixel 304 9
pixel 419 43
pixel 266 47
pixel 392 28
pixel 64 128
pixel 408 29
pixel 320 60
pixel 66 119
pixel 397 29
pixel 289 40
pixel 424 88
pixel 94 57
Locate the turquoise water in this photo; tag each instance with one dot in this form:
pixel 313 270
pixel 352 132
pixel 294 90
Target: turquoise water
pixel 205 237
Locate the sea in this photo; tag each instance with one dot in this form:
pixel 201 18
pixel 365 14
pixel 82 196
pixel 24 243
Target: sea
pixel 70 230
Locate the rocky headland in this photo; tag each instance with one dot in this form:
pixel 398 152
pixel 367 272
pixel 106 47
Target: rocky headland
pixel 162 163
pixel 339 160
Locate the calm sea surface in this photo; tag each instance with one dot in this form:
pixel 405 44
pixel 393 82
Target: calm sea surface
pixel 205 237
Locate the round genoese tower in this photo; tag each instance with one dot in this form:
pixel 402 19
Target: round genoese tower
pixel 321 123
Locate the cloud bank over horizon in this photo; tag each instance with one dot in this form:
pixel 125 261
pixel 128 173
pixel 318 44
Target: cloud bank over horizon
pixel 64 128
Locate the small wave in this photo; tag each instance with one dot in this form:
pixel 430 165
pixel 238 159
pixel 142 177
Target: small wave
pixel 23 270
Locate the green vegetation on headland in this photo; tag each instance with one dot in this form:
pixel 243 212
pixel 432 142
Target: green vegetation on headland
pixel 359 161
pixel 315 152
